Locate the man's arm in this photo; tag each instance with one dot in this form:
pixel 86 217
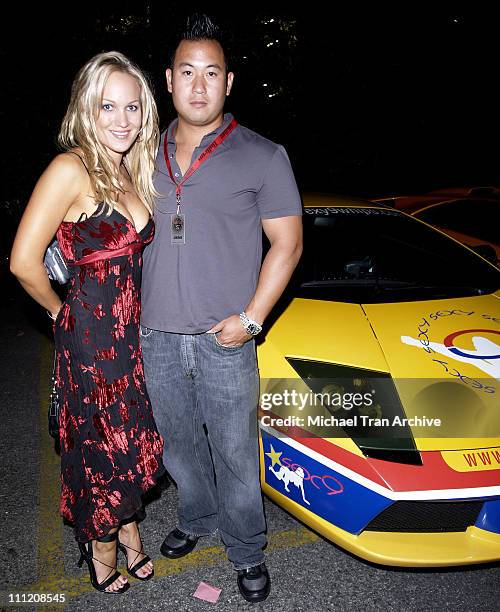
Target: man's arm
pixel 285 237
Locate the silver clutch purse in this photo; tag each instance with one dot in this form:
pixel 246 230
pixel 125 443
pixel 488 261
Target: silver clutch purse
pixel 55 263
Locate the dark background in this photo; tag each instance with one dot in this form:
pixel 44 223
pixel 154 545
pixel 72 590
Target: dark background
pixel 369 101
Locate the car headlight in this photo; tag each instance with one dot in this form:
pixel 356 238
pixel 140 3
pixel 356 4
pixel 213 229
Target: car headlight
pixel 365 406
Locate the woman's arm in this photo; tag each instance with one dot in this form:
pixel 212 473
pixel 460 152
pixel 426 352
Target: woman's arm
pixel 57 190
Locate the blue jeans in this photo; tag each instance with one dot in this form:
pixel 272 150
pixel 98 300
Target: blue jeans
pixel 194 382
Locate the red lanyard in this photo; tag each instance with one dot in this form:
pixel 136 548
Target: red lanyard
pixel 203 157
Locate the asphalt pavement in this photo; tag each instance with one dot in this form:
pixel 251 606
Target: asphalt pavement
pixel 38 554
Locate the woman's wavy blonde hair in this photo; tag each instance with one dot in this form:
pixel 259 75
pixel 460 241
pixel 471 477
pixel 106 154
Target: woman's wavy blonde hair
pixel 78 129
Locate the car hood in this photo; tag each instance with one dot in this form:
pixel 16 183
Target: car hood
pixel 443 356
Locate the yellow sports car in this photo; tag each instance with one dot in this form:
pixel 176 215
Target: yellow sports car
pixel 379 411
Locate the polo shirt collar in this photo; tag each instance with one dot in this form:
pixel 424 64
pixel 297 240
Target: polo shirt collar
pixel 207 139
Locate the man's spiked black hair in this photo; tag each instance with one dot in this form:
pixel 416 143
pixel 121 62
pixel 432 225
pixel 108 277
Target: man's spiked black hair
pixel 200 26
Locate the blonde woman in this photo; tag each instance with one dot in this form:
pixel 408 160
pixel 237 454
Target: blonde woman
pixel 97 197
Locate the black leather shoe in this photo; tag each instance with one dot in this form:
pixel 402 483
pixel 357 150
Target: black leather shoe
pixel 177 544
pixel 254 583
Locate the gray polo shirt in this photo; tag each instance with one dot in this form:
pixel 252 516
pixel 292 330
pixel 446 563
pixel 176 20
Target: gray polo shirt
pixel 189 288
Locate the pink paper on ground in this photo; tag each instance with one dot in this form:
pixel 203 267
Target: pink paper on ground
pixel 207 592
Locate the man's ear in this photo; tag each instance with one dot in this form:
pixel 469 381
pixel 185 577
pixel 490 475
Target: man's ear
pixel 168 74
pixel 229 82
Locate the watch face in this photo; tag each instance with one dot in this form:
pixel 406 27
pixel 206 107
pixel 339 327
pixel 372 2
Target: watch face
pixel 250 326
pixel 254 329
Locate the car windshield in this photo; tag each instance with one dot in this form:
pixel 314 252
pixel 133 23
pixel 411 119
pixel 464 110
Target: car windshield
pixel 376 255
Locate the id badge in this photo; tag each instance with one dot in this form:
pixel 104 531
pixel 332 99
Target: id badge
pixel 177 228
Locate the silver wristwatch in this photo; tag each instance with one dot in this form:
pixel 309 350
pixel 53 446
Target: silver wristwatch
pixel 251 327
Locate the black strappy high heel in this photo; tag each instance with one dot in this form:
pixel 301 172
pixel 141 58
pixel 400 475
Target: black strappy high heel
pixel 86 554
pixel 134 569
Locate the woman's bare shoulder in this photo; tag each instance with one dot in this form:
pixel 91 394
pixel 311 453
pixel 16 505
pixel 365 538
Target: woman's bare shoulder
pixel 70 162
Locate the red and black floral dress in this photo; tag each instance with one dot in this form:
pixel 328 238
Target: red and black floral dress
pixel 111 451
